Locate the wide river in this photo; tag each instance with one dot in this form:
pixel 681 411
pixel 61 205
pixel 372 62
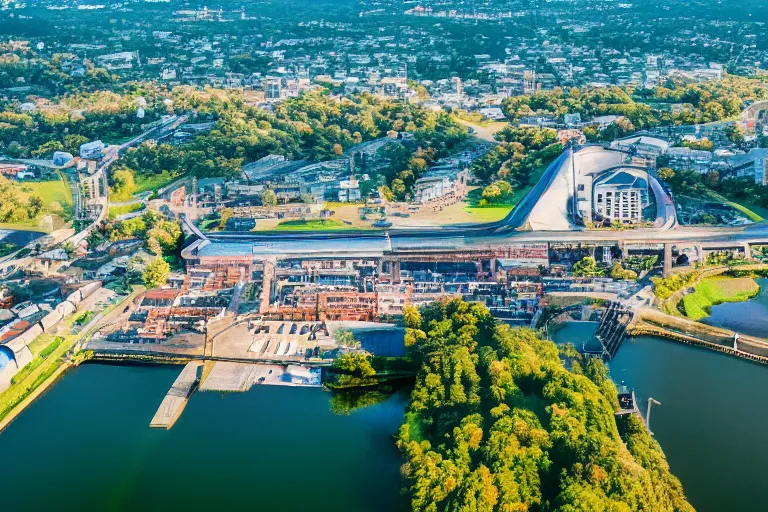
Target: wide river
pixel 86 444
pixel 713 419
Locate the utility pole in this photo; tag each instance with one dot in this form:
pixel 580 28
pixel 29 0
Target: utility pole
pixel 205 326
pixel 651 401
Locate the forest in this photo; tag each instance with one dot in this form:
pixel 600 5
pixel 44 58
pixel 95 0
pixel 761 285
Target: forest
pixel 512 165
pixel 694 103
pixel 313 126
pixel 500 420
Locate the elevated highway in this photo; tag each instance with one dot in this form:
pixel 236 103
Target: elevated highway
pixel 544 215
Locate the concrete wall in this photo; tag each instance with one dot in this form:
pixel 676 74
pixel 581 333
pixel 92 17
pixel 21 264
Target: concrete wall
pixel 66 308
pixel 75 297
pixel 50 320
pixel 88 289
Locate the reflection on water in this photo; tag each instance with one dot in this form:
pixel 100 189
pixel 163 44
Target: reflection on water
pixel 273 448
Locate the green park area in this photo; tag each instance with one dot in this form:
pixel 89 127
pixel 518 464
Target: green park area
pixel 717 290
pixel 488 213
pixel 23 205
pixel 124 209
pixel 49 191
pixel 313 225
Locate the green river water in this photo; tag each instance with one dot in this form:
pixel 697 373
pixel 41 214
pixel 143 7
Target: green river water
pixel 86 445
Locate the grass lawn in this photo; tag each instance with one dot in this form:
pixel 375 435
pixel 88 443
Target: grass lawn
pixel 751 213
pixel 153 182
pixel 36 372
pixel 717 290
pixel 489 213
pixel 208 224
pixel 49 191
pixel 753 216
pixel 116 211
pixel 314 225
pixel 21 226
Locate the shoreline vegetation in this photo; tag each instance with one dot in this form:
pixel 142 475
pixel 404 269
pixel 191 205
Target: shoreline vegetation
pixel 501 420
pixel 712 291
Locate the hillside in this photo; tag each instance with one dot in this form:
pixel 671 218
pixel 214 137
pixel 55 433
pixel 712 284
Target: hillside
pixel 497 423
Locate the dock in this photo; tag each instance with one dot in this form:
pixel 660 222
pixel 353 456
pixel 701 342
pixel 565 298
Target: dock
pixel 174 402
pixel 226 376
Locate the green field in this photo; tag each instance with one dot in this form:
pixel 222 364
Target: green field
pixel 488 213
pixel 314 225
pixel 153 182
pixel 717 290
pixel 751 215
pixel 116 211
pixel 49 192
pixel 53 191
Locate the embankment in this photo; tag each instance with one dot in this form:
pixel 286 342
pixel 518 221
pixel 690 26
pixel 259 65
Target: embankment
pixel 650 322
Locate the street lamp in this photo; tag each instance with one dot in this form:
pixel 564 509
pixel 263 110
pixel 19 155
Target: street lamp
pixel 651 401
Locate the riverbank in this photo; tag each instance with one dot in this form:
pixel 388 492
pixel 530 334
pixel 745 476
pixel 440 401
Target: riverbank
pixel 49 366
pixel 287 443
pixel 709 423
pixel 712 291
pixel 671 290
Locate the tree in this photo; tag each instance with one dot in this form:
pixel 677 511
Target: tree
pixel 48 148
pixel 123 183
pixel 354 363
pixel 73 142
pixel 338 149
pixel 412 317
pixel 35 206
pixel 524 436
pixel 268 197
pixel 666 173
pixel 224 215
pixel 398 188
pixel 345 338
pixel 714 111
pixel 587 267
pixel 156 273
pixel 735 134
pixel 621 274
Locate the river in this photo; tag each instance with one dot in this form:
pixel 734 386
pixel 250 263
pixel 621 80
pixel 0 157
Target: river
pixel 86 445
pixel 283 449
pixel 750 317
pixel 712 421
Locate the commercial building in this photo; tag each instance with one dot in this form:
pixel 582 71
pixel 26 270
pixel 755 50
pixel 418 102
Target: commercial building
pixel 92 150
pixel 642 146
pixel 620 195
pixel 752 164
pixel 435 186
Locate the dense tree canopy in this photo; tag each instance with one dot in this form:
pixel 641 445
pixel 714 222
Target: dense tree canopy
pixel 643 108
pixel 497 423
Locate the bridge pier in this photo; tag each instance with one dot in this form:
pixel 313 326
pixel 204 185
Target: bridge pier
pixel 667 259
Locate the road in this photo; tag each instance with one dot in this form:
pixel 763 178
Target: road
pixel 114 156
pixel 480 132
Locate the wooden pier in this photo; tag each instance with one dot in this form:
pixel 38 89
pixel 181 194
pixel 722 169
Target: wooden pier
pixel 174 402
